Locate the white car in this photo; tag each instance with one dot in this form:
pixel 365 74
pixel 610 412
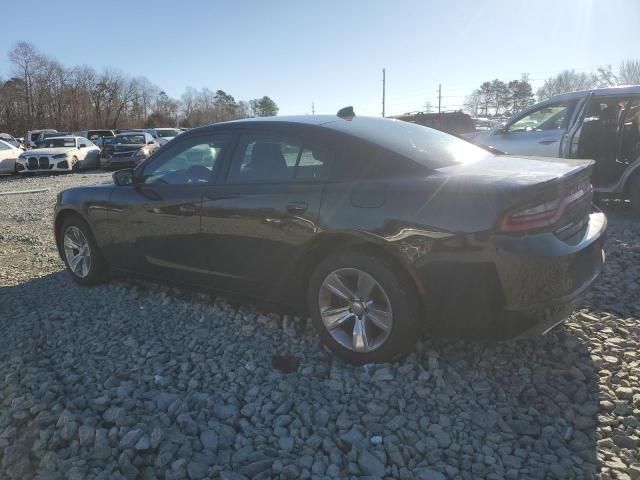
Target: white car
pixel 59 154
pixel 165 135
pixel 8 157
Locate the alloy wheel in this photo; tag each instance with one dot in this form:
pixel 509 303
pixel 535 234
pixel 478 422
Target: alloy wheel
pixel 355 310
pixel 77 251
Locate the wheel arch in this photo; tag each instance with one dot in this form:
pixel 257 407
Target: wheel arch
pixel 329 243
pixel 61 216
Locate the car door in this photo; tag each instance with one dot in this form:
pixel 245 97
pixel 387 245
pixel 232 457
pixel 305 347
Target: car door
pixel 7 157
pixel 538 132
pixel 155 223
pixel 258 220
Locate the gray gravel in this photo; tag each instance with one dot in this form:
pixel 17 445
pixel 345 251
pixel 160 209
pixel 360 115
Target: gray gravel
pixel 134 380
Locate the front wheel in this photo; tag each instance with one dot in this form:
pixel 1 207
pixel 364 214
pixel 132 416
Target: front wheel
pixel 75 165
pixel 81 254
pixel 363 307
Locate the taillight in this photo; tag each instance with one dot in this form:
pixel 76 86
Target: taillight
pixel 544 215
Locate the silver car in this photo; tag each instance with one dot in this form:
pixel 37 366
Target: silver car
pixel 601 124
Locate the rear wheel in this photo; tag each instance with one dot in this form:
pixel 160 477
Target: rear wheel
pixel 634 193
pixel 81 254
pixel 363 308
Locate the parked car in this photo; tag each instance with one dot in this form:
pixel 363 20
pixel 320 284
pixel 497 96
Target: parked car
pixel 8 156
pixel 601 124
pixel 43 137
pixel 455 123
pixel 167 134
pixel 376 227
pixel 5 137
pixel 59 154
pixel 95 136
pixel 127 149
pixel 150 131
pixel 31 136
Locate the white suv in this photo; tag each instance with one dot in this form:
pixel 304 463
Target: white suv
pixel 59 154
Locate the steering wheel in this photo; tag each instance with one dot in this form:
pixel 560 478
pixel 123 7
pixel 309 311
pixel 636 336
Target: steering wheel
pixel 198 173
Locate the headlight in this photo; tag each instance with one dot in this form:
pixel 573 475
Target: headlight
pixel 142 153
pixel 61 155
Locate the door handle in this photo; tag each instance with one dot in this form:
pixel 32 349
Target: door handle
pixel 548 141
pixel 187 209
pixel 297 207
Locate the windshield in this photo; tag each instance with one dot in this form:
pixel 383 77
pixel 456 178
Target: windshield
pixel 10 140
pixel 99 133
pixel 168 132
pixel 129 140
pixel 58 142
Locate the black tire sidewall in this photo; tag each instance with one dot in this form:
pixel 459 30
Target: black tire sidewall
pixel 98 269
pixel 401 295
pixel 75 168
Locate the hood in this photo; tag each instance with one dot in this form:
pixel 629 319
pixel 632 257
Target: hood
pixel 48 151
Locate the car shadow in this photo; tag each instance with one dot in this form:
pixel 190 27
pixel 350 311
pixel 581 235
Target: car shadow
pixel 520 409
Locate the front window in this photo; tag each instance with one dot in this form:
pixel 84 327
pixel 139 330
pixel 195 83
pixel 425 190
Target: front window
pixel 58 142
pixel 129 140
pixel 550 117
pixel 190 162
pixel 169 132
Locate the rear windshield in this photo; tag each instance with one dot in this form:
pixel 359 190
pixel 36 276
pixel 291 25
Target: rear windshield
pixel 423 145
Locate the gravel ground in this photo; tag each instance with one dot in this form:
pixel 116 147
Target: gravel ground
pixel 134 380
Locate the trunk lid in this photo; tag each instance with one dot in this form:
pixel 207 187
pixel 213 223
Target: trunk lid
pixel 520 184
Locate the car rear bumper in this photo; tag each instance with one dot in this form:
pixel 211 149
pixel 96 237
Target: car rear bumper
pixel 511 286
pixel 542 277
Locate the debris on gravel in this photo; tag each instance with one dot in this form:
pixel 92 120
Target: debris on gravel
pixel 137 380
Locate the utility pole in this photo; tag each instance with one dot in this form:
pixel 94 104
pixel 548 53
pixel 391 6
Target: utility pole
pixel 383 91
pixel 313 108
pixel 439 96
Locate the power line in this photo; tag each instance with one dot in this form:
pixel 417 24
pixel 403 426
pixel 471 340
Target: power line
pixel 383 91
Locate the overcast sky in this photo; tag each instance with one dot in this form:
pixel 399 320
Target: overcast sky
pixel 329 52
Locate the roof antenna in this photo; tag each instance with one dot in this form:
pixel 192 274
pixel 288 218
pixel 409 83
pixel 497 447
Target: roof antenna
pixel 346 112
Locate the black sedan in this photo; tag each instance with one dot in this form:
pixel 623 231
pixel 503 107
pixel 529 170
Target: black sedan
pixel 380 229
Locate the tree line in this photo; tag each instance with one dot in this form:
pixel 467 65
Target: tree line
pixel 43 93
pixel 496 97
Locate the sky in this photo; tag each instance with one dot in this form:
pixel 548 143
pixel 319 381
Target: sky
pixel 329 53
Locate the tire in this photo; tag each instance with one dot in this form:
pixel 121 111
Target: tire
pixel 634 193
pixel 75 168
pixel 391 286
pixel 97 270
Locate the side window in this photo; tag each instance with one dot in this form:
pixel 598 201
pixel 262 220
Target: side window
pixel 312 163
pixel 191 161
pixel 263 158
pixel 269 158
pixel 83 142
pixel 549 117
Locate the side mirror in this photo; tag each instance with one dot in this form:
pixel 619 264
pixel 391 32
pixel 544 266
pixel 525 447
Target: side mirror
pixel 502 128
pixel 122 178
pixel 150 143
pixel 82 146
